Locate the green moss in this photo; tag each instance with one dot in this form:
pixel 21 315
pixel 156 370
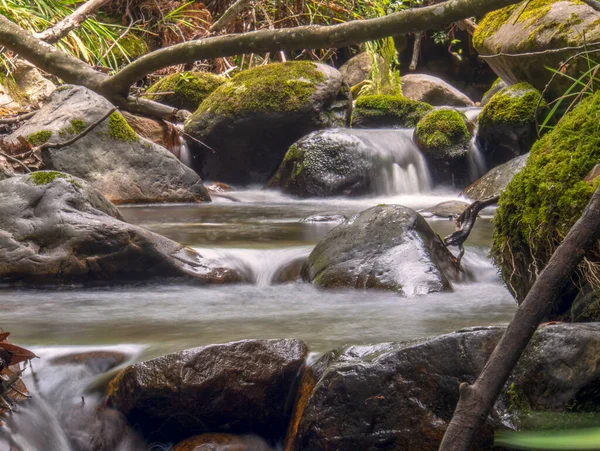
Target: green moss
pixel 543 201
pixel 119 129
pixel 442 129
pixel 187 89
pixel 45 177
pixel 275 87
pixel 407 112
pixel 75 128
pixel 13 90
pixel 515 105
pixel 39 138
pixel 516 401
pixel 133 47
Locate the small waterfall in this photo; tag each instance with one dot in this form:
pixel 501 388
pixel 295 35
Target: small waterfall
pixel 184 153
pixel 475 160
pixel 263 266
pixel 400 166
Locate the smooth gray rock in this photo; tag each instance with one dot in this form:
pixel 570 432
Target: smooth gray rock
pixel 55 228
pixel 123 166
pixel 494 181
pixel 433 90
pixel 387 247
pixel 446 210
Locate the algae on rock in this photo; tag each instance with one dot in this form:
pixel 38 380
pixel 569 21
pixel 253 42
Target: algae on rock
pixel 184 90
pixel 388 111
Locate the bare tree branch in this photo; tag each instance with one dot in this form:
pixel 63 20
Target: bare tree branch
pixel 476 401
pixel 71 22
pixel 17 119
pixel 416 50
pixel 230 14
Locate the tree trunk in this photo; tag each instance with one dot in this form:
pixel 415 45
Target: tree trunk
pixel 476 401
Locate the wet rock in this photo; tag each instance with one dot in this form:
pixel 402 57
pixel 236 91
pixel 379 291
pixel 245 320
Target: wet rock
pixel 184 90
pixel 338 219
pixel 447 210
pixel 387 247
pixel 223 442
pixel 55 228
pixel 113 158
pixel 290 272
pixel 508 123
pixel 401 396
pixel 537 29
pixel 252 120
pixel 343 162
pixel 444 138
pixel 594 173
pixel 494 181
pixel 388 111
pixel 241 387
pixel 97 361
pixel 433 90
pixel 218 187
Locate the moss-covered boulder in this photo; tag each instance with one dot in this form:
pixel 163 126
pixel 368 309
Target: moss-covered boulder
pixel 444 138
pixel 184 90
pixel 496 86
pixel 122 165
pixel 543 201
pixel 508 123
pixel 345 162
pixel 250 122
pixel 386 111
pixel 537 26
pixel 388 247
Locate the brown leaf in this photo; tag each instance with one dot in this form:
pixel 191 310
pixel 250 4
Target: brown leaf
pixel 17 354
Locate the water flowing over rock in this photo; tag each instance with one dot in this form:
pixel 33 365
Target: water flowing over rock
pixel 240 387
pixel 401 396
pixel 508 123
pixel 537 29
pixel 55 228
pixel 494 181
pixel 113 158
pixel 247 124
pixel 387 247
pixel 433 90
pixel 353 162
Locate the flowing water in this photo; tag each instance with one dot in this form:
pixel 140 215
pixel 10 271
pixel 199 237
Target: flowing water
pixel 261 233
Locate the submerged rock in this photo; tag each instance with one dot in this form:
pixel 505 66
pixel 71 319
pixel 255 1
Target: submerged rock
pixel 401 396
pixel 223 442
pixel 444 138
pixel 494 181
pixel 351 163
pixel 55 228
pixel 387 111
pixel 240 387
pixel 387 247
pixel 250 122
pixel 433 90
pixel 508 123
pixel 119 163
pixel 535 29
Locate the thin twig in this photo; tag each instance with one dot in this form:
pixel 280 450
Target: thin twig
pixel 541 52
pixel 17 119
pixel 14 160
pixel 200 142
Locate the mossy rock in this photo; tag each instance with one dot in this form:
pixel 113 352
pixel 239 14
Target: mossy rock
pixel 496 86
pixel 444 138
pixel 252 120
pixel 508 123
pixel 184 90
pixel 385 111
pixel 536 26
pixel 543 201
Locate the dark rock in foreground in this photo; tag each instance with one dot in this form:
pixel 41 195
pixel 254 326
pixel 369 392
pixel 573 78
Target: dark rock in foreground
pixel 401 396
pixel 55 228
pixel 223 442
pixel 388 247
pixel 241 387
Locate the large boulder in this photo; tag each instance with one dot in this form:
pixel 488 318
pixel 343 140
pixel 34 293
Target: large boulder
pixel 113 158
pixel 542 202
pixel 387 111
pixel 401 396
pixel 537 29
pixel 508 123
pixel 494 181
pixel 388 247
pixel 444 138
pixel 247 124
pixel 433 90
pixel 350 163
pixel 55 228
pixel 240 387
pixel 184 90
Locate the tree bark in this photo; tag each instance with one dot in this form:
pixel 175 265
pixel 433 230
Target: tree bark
pixel 71 22
pixel 476 401
pixel 230 14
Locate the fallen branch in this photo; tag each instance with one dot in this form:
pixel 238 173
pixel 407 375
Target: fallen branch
pixel 476 401
pixel 230 14
pixel 465 222
pixel 17 119
pixel 15 160
pixel 416 50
